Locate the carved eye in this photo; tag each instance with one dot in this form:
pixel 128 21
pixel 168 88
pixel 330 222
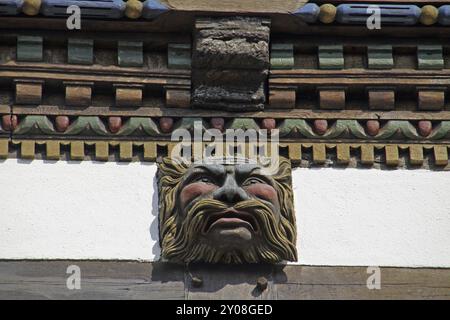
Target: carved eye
pixel 204 179
pixel 252 180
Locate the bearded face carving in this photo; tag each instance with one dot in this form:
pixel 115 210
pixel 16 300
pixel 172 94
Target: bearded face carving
pixel 218 212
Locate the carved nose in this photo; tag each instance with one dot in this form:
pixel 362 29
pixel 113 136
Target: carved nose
pixel 230 192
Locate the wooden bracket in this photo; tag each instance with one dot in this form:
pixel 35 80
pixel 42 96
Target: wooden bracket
pixel 331 57
pixel 28 91
pixel 130 54
pixel 380 57
pixel 331 97
pixel 80 51
pixel 78 93
pixel 29 48
pixel 128 95
pixel 178 96
pixel 430 57
pixel 431 98
pixel 282 97
pixel 381 98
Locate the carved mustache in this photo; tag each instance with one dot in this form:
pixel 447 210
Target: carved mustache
pixel 271 244
pixel 206 212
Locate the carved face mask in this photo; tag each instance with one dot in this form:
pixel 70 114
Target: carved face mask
pixel 229 213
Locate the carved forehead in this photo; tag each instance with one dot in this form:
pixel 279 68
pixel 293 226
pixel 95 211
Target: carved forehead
pixel 217 169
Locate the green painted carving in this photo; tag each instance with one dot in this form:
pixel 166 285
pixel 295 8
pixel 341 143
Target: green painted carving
pixel 179 55
pixel 188 124
pixel 395 127
pixel 331 57
pixel 87 126
pixel 380 57
pixel 430 57
pixel 80 51
pixel 29 48
pixel 139 126
pixel 282 56
pixel 244 124
pixel 225 222
pixel 130 54
pixel 296 127
pixel 346 127
pixel 441 131
pixel 299 127
pixel 35 125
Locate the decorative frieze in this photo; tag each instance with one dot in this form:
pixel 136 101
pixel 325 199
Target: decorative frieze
pixel 381 88
pixel 289 128
pixel 299 153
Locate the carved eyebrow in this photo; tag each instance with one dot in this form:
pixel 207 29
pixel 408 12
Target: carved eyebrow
pixel 253 172
pixel 215 171
pixel 212 169
pixel 244 170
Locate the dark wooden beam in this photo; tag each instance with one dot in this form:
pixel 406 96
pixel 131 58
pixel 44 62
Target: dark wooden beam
pixel 134 280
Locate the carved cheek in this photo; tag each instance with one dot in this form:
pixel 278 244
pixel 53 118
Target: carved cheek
pixel 263 191
pixel 194 190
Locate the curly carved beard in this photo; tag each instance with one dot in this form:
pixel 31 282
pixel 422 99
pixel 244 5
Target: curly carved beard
pixel 187 244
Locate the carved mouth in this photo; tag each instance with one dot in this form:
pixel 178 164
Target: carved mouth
pixel 230 219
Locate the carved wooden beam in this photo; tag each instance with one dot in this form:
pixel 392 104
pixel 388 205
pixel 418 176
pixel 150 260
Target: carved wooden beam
pixel 230 63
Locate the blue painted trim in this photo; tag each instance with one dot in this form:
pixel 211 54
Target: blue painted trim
pixel 153 8
pixel 10 7
pixel 390 14
pixel 110 9
pixel 444 15
pixel 308 13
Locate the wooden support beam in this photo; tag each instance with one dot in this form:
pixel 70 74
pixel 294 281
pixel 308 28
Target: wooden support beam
pixel 157 280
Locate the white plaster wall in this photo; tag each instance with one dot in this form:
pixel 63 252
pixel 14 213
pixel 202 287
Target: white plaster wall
pixel 373 217
pixel 77 210
pixel 89 210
